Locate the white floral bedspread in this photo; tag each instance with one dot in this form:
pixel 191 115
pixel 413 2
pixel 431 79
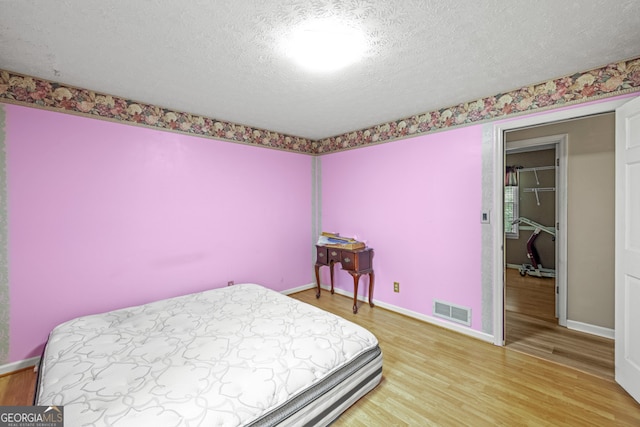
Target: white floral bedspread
pixel 218 358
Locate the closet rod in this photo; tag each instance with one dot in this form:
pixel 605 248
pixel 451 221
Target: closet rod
pixel 537 189
pixel 539 168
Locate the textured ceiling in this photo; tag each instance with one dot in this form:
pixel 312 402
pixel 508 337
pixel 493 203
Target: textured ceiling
pixel 223 59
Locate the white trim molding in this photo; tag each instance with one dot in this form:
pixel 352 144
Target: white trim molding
pixel 499 128
pixel 591 329
pixel 299 289
pixel 419 316
pixel 19 365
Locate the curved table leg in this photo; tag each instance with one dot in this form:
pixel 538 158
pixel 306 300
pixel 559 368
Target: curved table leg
pixel 318 280
pixel 356 279
pixel 331 270
pixel 371 279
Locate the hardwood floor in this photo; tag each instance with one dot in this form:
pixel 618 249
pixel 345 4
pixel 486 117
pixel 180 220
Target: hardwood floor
pixel 531 327
pixel 533 296
pixel 433 376
pixel 436 377
pixel 17 388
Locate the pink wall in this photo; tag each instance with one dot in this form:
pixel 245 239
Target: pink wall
pixel 417 203
pixel 104 215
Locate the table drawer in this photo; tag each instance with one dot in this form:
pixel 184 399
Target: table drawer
pixel 349 260
pixel 334 254
pixel 356 261
pixel 322 255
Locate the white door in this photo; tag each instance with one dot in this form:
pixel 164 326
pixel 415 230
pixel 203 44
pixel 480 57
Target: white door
pixel 627 264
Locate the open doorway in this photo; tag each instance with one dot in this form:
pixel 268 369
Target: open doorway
pixel 578 287
pixel 530 230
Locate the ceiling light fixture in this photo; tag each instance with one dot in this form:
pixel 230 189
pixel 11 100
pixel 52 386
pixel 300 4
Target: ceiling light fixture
pixel 325 45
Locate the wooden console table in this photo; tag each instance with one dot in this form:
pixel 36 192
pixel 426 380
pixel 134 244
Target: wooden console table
pixel 355 262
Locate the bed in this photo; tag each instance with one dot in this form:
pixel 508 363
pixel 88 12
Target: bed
pixel 242 355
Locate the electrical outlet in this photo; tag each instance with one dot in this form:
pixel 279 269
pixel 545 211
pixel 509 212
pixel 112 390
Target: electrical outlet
pixel 396 286
pixel 230 283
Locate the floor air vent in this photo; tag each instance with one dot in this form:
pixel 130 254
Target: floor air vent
pixel 452 312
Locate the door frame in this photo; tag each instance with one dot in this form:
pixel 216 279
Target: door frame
pixel 559 144
pixel 498 147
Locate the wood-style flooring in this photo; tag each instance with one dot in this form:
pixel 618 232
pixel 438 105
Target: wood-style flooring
pixel 435 377
pixel 532 328
pixel 17 388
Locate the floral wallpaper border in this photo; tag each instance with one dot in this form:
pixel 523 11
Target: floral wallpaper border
pixel 611 80
pixel 35 92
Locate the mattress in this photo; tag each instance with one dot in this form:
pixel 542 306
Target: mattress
pixel 241 355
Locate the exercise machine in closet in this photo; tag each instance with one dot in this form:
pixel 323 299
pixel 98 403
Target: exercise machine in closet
pixel 535 267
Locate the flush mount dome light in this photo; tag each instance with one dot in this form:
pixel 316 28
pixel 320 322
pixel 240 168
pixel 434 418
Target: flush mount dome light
pixel 325 45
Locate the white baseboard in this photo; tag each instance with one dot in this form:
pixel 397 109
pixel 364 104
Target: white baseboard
pixel 591 329
pixel 429 319
pixel 20 364
pixel 299 289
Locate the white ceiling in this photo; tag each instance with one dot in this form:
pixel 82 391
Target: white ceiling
pixel 222 59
